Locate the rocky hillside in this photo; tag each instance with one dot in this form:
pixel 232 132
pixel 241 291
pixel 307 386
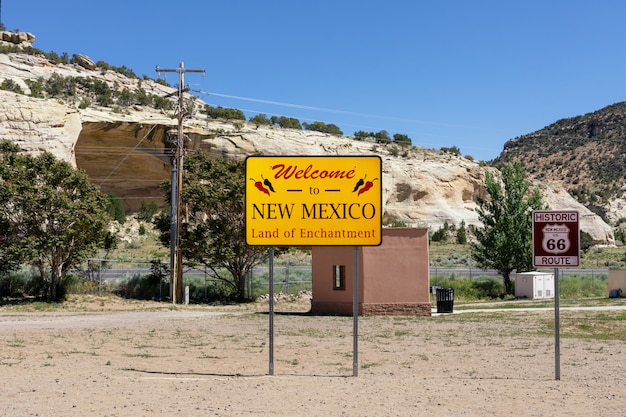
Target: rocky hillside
pixel 117 128
pixel 585 155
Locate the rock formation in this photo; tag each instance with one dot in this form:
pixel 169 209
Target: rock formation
pixel 128 152
pixel 84 61
pixel 17 38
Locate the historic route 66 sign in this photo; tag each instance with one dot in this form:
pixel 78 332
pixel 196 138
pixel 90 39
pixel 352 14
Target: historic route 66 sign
pixel 556 238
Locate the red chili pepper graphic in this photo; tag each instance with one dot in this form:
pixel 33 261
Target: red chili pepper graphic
pixel 268 184
pixel 359 183
pixel 259 185
pixel 367 186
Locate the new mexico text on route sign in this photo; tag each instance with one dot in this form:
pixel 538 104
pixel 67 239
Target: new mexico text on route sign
pixel 313 200
pixel 556 239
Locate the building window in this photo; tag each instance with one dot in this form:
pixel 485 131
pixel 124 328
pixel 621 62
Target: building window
pixel 339 277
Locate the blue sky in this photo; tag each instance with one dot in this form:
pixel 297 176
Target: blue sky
pixel 471 74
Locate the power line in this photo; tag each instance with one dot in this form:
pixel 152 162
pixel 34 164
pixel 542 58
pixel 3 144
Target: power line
pixel 334 111
pixel 128 154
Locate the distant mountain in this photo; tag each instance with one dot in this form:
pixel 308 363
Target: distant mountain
pixel 586 155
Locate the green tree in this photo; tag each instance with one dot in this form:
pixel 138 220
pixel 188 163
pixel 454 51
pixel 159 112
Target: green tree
pixel 586 241
pixel 286 122
pixel 147 211
pixel 260 120
pixel 323 127
pixel 461 234
pixel 213 229
pixel 220 112
pixel 504 243
pixel 51 216
pixel 115 208
pixel 382 137
pixel 363 135
pixel 402 139
pixel 441 235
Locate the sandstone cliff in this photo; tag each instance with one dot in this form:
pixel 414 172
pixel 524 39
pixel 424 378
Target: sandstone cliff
pixel 128 151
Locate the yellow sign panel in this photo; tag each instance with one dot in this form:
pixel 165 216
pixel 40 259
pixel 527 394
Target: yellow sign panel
pixel 313 200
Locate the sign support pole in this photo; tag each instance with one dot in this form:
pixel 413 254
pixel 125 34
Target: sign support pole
pixel 557 328
pixel 271 347
pixel 355 313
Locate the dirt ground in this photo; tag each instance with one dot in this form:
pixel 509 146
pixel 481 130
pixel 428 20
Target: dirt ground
pixel 103 357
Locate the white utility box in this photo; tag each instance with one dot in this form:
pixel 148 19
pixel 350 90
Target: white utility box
pixel 534 285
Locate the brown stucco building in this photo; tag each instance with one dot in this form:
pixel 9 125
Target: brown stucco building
pixel 393 277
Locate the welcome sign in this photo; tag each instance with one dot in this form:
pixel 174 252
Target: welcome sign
pixel 313 200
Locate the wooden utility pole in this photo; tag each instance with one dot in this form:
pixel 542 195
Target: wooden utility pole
pixel 176 264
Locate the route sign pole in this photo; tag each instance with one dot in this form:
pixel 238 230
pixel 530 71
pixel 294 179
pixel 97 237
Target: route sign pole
pixel 557 328
pixel 556 242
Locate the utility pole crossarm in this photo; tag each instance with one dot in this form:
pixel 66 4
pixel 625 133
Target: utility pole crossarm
pixel 176 267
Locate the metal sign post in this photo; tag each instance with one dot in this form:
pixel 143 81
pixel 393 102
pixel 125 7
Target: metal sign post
pixel 556 242
pixel 271 330
pixel 557 328
pixel 355 314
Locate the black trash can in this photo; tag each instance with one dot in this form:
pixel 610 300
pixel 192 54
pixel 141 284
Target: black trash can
pixel 445 300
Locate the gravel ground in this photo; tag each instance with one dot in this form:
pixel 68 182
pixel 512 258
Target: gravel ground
pixel 110 358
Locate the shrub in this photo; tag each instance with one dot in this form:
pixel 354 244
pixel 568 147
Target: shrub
pixel 10 85
pixel 454 150
pixel 586 241
pixel 147 211
pixel 481 288
pixel 260 120
pixel 162 82
pixel 287 122
pixel 23 282
pixel 36 87
pixel 84 103
pixel 162 103
pixel 125 98
pixel 59 86
pixel 141 287
pixel 402 139
pixel 220 112
pixel 142 97
pixel 323 128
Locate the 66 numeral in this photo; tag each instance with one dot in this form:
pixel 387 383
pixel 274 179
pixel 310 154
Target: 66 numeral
pixel 552 244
